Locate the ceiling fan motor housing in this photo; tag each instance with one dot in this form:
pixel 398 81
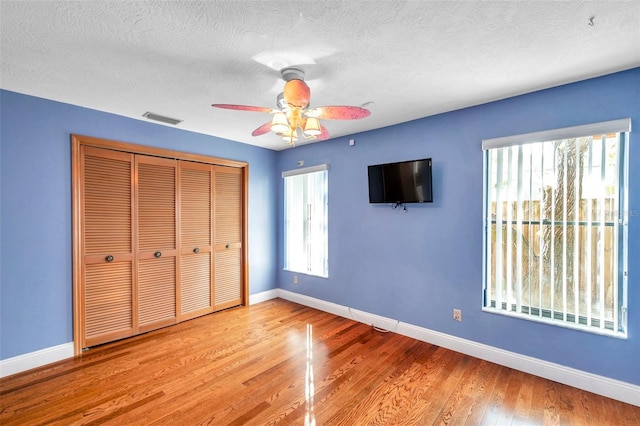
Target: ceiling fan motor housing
pixel 297 93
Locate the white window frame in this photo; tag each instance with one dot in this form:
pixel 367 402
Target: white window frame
pixel 306 217
pixel 497 303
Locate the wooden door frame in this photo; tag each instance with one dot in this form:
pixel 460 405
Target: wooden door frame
pixel 77 141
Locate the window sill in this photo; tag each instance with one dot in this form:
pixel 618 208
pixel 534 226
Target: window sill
pixel 305 273
pixel 558 323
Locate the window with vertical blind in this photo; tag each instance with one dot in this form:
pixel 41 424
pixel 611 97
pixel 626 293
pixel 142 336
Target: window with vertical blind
pixel 306 239
pixel 555 226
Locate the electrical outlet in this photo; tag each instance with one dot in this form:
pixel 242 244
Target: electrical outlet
pixel 295 279
pixel 457 315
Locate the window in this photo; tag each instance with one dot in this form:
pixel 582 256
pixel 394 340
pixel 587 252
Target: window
pixel 555 215
pixel 306 220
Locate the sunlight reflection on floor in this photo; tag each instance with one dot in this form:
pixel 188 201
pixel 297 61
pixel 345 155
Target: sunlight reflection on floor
pixel 309 418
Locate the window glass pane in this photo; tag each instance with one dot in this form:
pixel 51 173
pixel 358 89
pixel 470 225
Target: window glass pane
pixel 552 225
pixel 294 222
pixel 306 217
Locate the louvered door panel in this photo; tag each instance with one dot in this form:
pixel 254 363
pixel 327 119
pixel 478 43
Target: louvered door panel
pixel 107 207
pixel 228 282
pixel 195 239
pixel 108 301
pixel 106 215
pixel 228 198
pixel 195 204
pixel 156 292
pixel 228 205
pixel 195 280
pixel 156 203
pixel 156 224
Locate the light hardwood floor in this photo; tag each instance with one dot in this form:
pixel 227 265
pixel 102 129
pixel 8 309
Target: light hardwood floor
pixel 278 362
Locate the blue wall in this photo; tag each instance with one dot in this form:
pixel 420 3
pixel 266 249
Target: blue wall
pixel 35 200
pixel 417 266
pixel 414 267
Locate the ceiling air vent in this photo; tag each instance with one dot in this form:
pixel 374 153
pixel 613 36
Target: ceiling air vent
pixel 161 118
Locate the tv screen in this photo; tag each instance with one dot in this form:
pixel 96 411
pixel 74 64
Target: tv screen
pixel 403 182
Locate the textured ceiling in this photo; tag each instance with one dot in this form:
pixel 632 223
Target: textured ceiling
pixel 401 59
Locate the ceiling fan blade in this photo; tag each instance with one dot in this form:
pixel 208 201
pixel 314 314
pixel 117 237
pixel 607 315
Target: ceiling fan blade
pixel 265 128
pixel 338 112
pixel 246 108
pixel 325 133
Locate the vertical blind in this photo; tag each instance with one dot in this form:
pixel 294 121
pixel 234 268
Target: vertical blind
pixel 306 220
pixel 555 226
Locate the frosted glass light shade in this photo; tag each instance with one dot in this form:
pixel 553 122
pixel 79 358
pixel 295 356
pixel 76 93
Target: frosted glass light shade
pixel 279 124
pixel 312 127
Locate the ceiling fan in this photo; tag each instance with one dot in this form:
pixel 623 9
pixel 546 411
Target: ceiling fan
pixel 293 118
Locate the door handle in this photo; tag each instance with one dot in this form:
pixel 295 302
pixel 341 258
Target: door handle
pixel 157 254
pixel 196 250
pixel 108 258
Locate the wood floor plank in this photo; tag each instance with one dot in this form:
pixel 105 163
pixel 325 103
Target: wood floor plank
pixel 536 409
pixel 493 400
pixel 486 384
pixel 281 363
pixel 523 401
pixel 551 410
pixel 442 384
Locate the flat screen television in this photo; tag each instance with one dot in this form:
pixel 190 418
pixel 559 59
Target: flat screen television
pixel 402 182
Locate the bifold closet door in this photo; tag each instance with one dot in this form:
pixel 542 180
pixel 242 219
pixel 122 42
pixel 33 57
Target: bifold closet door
pixel 157 238
pixel 227 232
pixel 196 254
pixel 156 242
pixel 106 267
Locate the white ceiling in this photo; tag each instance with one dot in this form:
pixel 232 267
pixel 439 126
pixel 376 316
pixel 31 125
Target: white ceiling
pixel 401 59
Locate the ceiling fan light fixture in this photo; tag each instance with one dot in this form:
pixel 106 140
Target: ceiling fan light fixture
pixel 312 127
pixel 279 124
pixel 293 112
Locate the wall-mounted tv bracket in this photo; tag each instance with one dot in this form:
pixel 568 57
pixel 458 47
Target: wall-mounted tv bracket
pixel 396 206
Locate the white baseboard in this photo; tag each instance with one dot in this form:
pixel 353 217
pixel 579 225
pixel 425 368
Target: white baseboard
pixel 615 389
pixel 263 296
pixel 312 302
pixel 35 359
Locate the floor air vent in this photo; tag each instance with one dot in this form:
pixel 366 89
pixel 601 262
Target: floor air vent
pixel 161 118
